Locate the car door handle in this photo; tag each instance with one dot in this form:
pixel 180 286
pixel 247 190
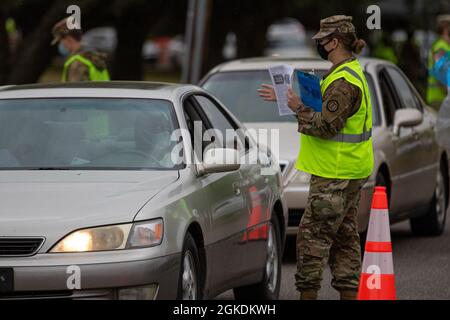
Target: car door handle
pixel 237 188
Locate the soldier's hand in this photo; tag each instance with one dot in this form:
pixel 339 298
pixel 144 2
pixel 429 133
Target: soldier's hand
pixel 293 100
pixel 439 54
pixel 267 92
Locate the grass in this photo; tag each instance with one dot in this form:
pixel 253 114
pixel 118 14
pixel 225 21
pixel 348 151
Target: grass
pixel 53 74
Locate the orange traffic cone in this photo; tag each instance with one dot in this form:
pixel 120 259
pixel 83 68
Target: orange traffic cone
pixel 377 278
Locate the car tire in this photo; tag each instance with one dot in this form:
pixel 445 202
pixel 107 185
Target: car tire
pixel 433 222
pixel 381 181
pixel 269 287
pixel 189 285
pixel 362 243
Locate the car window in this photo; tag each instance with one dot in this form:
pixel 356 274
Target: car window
pixel 192 118
pixel 225 135
pixel 389 102
pixel 86 134
pixel 406 95
pixel 374 100
pixel 238 91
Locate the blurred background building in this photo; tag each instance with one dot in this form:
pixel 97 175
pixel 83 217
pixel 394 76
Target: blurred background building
pixel 180 40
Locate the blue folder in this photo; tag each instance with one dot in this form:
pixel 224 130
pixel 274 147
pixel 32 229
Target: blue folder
pixel 310 93
pixel 441 69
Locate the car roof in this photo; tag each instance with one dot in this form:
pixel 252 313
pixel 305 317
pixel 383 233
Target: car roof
pixel 110 89
pixel 262 63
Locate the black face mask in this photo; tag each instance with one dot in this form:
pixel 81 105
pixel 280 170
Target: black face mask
pixel 323 53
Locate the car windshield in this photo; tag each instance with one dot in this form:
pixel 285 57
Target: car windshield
pixel 286 43
pixel 86 134
pixel 238 91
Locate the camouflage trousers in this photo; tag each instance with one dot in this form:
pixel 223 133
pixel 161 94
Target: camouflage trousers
pixel 328 232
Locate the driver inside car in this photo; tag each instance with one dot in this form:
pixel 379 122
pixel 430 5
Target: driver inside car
pixel 152 138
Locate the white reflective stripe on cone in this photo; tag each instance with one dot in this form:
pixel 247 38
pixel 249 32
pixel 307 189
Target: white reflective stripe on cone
pixel 379 228
pixel 378 262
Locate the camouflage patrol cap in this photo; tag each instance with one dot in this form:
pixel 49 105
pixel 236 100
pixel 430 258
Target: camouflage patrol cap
pixel 338 23
pixel 61 29
pixel 443 19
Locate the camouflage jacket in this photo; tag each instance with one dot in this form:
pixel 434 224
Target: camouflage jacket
pixel 341 100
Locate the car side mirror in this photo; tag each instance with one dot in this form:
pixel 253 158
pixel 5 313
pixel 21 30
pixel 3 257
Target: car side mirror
pixel 406 118
pixel 219 160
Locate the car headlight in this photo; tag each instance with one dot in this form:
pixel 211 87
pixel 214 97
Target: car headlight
pixel 118 237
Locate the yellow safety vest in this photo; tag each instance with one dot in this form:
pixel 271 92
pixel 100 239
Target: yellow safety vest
pixel 386 53
pixel 94 73
pixel 348 155
pixel 435 92
pixel 97 127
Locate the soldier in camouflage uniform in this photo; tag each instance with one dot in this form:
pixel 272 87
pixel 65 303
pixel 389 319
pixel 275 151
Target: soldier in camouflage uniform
pixel 328 231
pixel 82 64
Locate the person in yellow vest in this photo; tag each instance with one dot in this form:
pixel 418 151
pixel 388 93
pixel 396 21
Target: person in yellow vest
pixel 384 50
pixel 81 64
pixel 14 37
pixel 436 92
pixel 336 149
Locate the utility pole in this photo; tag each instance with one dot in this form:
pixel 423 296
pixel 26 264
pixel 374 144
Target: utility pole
pixel 189 41
pixel 196 38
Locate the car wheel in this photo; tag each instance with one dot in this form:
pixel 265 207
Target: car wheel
pixel 433 223
pixel 381 181
pixel 188 282
pixel 269 287
pixel 362 243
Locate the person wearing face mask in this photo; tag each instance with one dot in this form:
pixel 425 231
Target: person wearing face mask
pixel 81 64
pixel 336 149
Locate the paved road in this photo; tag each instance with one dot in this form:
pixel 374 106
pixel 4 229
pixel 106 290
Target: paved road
pixel 422 267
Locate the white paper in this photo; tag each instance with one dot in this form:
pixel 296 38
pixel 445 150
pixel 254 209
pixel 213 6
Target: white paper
pixel 282 76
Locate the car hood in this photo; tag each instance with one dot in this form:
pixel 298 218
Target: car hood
pixel 289 137
pixel 54 203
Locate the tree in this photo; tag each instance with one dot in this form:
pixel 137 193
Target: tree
pixel 4 51
pixel 36 53
pixel 248 19
pixel 133 22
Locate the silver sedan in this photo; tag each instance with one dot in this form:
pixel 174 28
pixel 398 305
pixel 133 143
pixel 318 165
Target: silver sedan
pixel 104 196
pixel 408 159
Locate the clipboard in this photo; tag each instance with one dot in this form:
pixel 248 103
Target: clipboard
pixel 310 92
pixel 441 69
